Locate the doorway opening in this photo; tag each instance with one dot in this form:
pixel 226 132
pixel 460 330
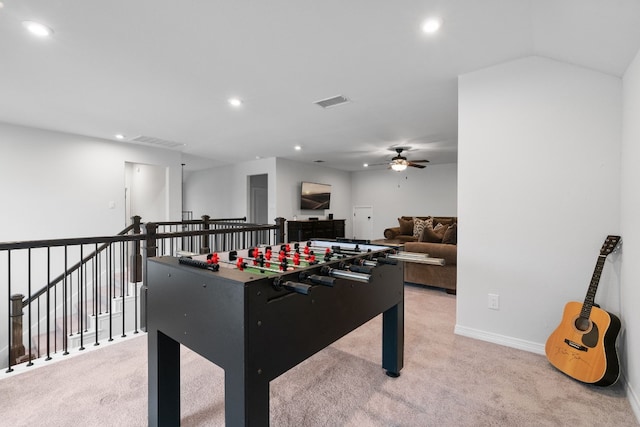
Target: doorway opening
pixel 146 192
pixel 258 199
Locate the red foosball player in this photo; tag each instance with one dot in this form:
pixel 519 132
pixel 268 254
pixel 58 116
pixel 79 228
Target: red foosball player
pixel 214 259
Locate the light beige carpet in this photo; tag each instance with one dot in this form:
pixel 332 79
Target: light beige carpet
pixel 447 380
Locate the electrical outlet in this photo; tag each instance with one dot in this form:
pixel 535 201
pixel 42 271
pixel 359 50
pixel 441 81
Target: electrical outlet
pixel 494 301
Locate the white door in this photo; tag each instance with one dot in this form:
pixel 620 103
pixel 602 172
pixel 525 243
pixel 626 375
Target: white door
pixel 363 222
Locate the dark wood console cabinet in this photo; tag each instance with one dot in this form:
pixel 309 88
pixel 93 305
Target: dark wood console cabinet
pixel 322 229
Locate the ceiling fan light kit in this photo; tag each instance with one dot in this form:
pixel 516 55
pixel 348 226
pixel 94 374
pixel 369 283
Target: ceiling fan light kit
pixel 398 167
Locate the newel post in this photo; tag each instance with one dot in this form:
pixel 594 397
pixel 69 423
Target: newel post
pixel 135 265
pixel 151 250
pixel 204 246
pixel 152 241
pixel 17 347
pixel 280 231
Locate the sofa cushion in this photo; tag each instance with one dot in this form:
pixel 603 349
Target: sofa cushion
pixel 419 225
pixel 406 226
pixel 432 235
pixel 451 235
pixel 444 220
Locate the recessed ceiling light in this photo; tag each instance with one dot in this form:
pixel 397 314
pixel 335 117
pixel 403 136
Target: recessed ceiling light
pixel 297 148
pixel 119 136
pixel 366 165
pixel 431 25
pixel 37 28
pixel 235 102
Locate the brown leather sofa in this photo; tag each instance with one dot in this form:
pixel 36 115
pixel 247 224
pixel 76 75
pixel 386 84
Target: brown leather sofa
pixel 425 274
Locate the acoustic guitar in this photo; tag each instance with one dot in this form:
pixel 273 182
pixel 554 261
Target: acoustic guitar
pixel 583 346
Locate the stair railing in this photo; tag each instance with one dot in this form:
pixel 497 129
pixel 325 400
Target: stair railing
pixel 92 296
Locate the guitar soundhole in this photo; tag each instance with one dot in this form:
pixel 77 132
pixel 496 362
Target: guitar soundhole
pixel 582 324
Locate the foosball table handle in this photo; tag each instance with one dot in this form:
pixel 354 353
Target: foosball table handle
pixel 316 279
pixel 200 264
pixel 300 288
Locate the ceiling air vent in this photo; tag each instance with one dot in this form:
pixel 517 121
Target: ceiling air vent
pixel 157 142
pixel 332 102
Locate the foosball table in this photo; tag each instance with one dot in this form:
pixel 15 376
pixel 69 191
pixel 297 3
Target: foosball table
pixel 259 312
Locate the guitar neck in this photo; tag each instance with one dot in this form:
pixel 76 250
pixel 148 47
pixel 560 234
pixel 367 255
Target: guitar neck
pixel 593 287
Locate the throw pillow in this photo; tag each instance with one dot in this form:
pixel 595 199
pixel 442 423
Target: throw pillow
pixel 432 235
pixel 406 226
pixel 418 226
pixel 451 235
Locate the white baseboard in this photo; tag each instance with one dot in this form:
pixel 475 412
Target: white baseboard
pixel 633 397
pixel 518 343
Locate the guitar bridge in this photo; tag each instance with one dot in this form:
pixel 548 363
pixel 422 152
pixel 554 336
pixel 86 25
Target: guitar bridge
pixel 575 345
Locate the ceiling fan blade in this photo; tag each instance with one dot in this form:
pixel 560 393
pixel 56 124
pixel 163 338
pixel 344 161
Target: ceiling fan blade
pixel 416 165
pixel 420 161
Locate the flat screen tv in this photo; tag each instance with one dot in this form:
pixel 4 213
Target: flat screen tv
pixel 315 196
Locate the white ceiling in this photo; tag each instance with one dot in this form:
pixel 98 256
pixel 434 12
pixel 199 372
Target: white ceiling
pixel 165 69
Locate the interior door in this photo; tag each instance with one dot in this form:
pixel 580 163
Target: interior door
pixel 363 222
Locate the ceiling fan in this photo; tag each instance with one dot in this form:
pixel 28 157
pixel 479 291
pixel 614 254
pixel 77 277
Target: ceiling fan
pixel 399 163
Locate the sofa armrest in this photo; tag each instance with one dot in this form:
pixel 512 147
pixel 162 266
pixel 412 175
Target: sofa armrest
pixel 435 250
pixel 391 233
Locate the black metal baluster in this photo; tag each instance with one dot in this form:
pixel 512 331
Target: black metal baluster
pixel 78 305
pixel 65 308
pixel 9 310
pixel 48 316
pixel 110 291
pixel 99 276
pixel 38 327
pixel 124 278
pixel 171 244
pixel 81 287
pixel 96 294
pixel 55 318
pixel 29 315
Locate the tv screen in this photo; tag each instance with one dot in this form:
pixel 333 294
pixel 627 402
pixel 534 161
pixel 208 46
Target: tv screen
pixel 315 196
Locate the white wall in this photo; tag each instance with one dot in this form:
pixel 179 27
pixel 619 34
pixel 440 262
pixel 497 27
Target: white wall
pixel 290 176
pixel 414 192
pixel 55 185
pixel 630 228
pixel 538 192
pixel 223 192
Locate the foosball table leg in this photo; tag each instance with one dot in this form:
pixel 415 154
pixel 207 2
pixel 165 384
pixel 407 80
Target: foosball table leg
pixel 164 380
pixel 393 340
pixel 246 399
